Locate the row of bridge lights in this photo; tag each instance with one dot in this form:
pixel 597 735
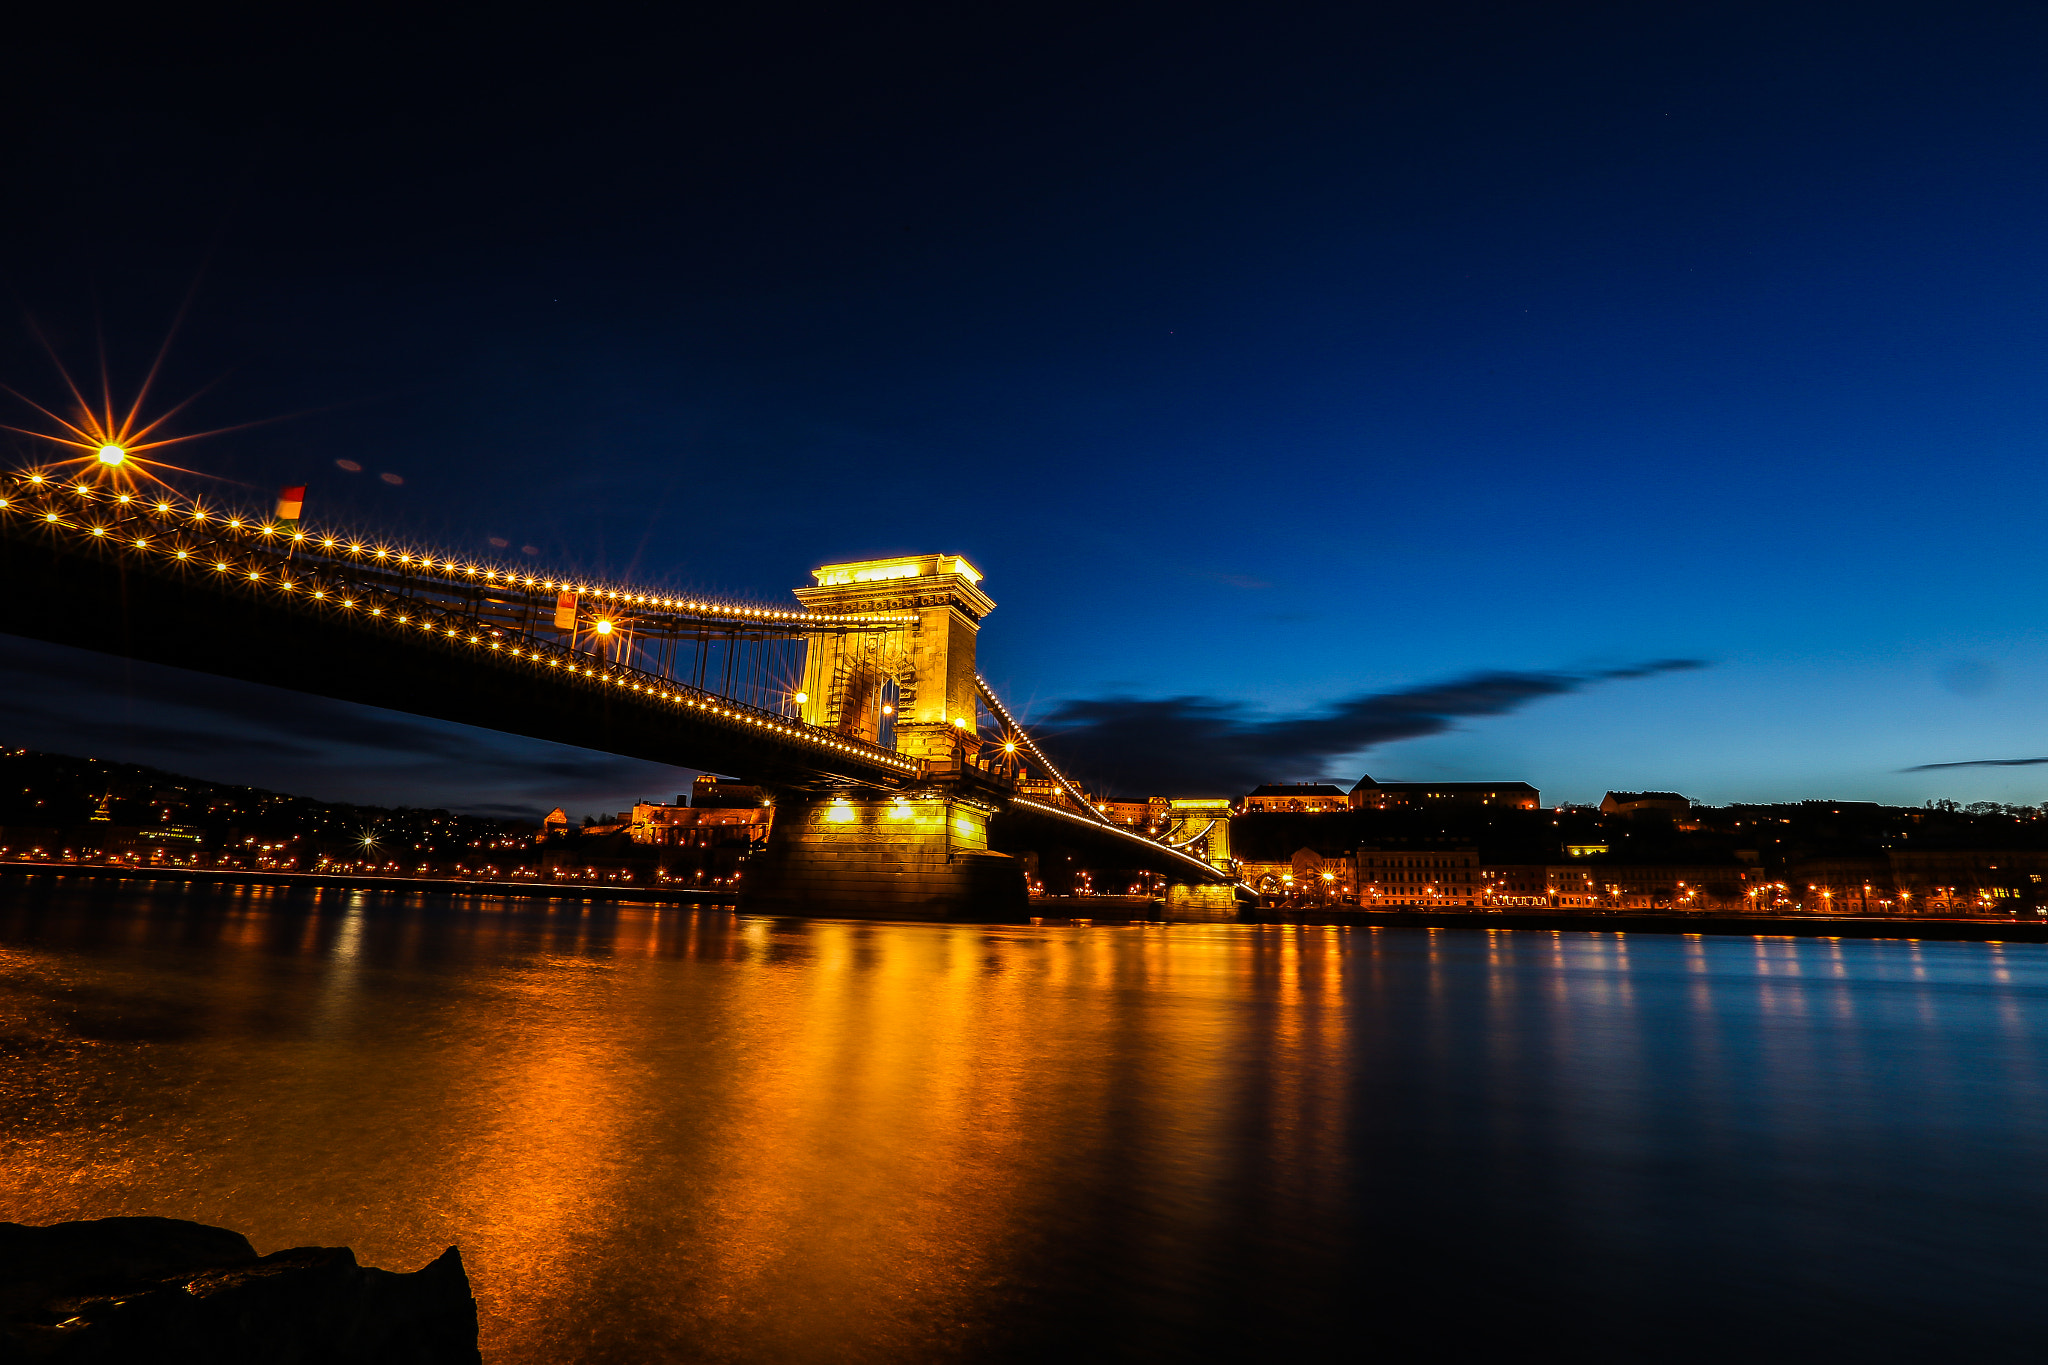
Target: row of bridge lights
pixel 289 585
pixel 199 516
pixel 1128 834
pixel 1010 746
pixel 1010 724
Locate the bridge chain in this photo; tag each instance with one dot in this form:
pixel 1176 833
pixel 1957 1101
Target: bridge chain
pixel 1087 814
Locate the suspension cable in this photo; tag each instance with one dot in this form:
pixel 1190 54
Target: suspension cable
pixel 988 695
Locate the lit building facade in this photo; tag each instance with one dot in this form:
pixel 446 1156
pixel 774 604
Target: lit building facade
pixel 1307 797
pixel 1130 814
pixel 1418 877
pixel 1051 793
pixel 708 791
pixel 1923 881
pixel 699 827
pixel 1306 876
pixel 1655 886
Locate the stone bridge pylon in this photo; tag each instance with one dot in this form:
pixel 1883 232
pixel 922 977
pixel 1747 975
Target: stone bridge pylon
pixel 907 854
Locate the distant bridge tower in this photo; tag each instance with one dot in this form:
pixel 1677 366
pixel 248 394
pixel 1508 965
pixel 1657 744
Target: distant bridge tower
pixel 1201 826
pixel 923 675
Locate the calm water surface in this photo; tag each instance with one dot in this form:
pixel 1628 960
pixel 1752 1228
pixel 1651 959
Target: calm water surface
pixel 659 1134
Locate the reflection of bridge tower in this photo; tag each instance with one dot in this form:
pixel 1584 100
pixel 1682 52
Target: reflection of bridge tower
pixel 923 675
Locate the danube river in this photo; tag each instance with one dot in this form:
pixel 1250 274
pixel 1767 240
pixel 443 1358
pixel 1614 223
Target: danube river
pixel 662 1134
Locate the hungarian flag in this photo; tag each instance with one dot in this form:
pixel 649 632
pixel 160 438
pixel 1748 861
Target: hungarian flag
pixel 289 503
pixel 565 611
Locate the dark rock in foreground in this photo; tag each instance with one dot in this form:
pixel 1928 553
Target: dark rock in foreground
pixel 115 1290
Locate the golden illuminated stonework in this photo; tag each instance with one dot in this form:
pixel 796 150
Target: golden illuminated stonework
pixel 913 688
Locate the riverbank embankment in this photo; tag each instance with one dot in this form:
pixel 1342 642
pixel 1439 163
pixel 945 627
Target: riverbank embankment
pixel 459 886
pixel 1980 930
pixel 1115 910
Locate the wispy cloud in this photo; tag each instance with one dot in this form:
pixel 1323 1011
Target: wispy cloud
pixel 1977 763
pixel 1202 743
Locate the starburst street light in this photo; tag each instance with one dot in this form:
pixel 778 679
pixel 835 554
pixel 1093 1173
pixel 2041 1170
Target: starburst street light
pixel 108 441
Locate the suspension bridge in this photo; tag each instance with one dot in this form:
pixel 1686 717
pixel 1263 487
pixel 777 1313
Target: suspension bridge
pixel 904 787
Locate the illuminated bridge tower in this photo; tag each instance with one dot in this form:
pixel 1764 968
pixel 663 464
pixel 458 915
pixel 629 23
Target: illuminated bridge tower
pixel 1201 826
pixel 917 684
pixel 921 853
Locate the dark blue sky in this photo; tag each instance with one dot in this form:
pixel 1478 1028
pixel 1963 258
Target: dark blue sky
pixel 1283 361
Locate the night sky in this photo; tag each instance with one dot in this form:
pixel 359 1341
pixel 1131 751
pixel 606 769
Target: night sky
pixel 1596 396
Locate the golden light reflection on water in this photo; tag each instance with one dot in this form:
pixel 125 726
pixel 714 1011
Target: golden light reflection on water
pixel 659 1134
pixel 790 1140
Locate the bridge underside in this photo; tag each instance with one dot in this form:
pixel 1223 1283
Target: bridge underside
pixel 98 603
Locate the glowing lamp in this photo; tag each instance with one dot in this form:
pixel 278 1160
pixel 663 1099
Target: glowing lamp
pixel 112 454
pixel 800 698
pixel 604 627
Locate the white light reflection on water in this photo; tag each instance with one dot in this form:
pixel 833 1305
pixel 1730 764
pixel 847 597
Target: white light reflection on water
pixel 658 1134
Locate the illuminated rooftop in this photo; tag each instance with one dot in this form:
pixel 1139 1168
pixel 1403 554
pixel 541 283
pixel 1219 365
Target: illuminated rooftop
pixel 904 566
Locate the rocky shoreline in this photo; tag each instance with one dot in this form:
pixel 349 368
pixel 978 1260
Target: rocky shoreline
pixel 108 1291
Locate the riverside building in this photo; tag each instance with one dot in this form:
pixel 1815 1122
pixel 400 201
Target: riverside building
pixel 1421 878
pixel 1298 797
pixel 1371 795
